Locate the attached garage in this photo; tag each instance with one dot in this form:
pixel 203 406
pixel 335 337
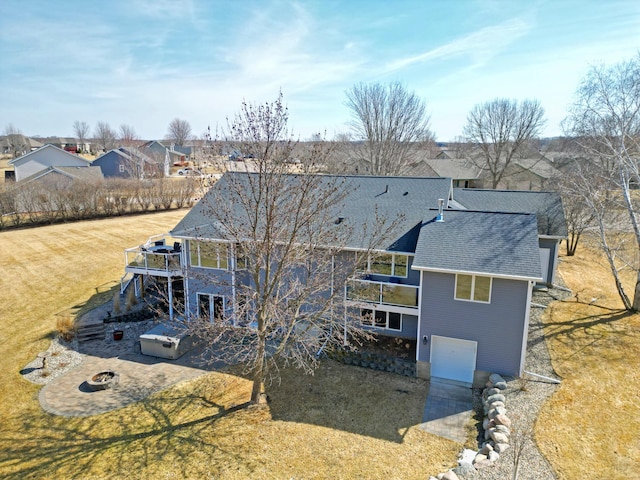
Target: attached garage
pixel 453 359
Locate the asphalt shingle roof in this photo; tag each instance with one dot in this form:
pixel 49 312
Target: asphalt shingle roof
pixel 480 242
pixel 402 200
pixel 546 205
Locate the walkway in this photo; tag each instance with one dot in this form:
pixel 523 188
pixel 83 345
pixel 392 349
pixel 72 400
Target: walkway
pixel 447 411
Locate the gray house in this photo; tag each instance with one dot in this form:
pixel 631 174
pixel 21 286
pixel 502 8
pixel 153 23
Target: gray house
pixel 449 276
pixel 43 158
pixel 128 163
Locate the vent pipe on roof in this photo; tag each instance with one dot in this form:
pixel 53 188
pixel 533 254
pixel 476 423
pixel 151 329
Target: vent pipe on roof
pixel 440 217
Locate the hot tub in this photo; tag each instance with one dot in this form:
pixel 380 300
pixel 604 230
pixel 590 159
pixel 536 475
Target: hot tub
pixel 165 341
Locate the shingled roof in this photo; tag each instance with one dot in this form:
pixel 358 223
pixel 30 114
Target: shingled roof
pixel 500 244
pixel 402 200
pixel 546 205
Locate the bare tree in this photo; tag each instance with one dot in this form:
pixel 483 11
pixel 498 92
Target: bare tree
pixel 128 135
pixel 605 118
pixel 501 130
pixel 81 131
pixel 389 124
pixel 15 139
pixel 179 131
pixel 578 214
pixel 105 136
pixel 280 233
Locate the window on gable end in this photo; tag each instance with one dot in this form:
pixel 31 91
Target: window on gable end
pixel 473 288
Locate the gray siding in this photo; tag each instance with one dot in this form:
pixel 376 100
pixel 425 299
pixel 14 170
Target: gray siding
pixel 552 245
pixel 109 163
pixel 497 327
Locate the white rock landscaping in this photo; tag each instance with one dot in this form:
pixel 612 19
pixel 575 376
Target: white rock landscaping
pixel 497 433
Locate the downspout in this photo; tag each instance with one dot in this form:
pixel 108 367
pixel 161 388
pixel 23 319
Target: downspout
pixel 419 337
pixel 525 329
pixel 549 379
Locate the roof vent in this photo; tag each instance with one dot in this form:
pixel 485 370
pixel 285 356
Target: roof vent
pixel 339 220
pixel 405 194
pixel 440 217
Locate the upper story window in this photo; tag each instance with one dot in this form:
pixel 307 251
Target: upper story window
pixel 390 264
pixel 473 288
pixel 209 255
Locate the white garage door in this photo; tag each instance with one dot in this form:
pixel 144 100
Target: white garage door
pixel 453 359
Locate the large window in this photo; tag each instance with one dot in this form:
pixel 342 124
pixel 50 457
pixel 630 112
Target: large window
pixel 209 255
pixel 210 306
pixel 473 288
pixel 390 264
pixel 381 319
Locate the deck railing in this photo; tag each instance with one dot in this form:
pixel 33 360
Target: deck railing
pixel 136 258
pixel 384 293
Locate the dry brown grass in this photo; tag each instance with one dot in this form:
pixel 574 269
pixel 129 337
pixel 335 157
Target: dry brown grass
pixel 66 327
pixel 344 422
pixel 591 427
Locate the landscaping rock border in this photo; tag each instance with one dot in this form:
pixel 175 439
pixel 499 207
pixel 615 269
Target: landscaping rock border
pixel 374 361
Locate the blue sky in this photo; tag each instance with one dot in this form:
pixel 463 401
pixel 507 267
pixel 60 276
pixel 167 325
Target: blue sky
pixel 145 62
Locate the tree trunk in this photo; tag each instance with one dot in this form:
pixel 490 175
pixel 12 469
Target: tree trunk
pixel 636 294
pixel 259 370
pixel 612 265
pixel 572 244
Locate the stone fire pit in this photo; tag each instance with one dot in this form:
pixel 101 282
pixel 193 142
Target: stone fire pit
pixel 103 380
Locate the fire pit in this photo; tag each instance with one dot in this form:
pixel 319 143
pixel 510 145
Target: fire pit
pixel 103 380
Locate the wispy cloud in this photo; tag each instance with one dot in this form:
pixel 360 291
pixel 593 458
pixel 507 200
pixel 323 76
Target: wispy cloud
pixel 480 46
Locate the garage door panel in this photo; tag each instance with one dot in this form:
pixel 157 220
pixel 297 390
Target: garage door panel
pixel 453 358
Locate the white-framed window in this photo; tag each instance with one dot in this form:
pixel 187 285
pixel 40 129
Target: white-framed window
pixel 473 288
pixel 209 255
pixel 381 319
pixel 388 264
pixel 211 306
pixel 121 168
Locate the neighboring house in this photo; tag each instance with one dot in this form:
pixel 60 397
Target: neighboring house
pixel 158 151
pixel 463 173
pixel 69 144
pixel 20 143
pixel 43 158
pixel 187 150
pixel 531 173
pixel 552 226
pixel 71 173
pixel 456 280
pixel 128 163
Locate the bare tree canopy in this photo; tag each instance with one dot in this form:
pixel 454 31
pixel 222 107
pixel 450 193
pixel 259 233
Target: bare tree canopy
pixel 499 130
pixel 81 131
pixel 605 119
pixel 15 140
pixel 280 232
pixel 391 122
pixel 179 131
pixel 105 136
pixel 128 135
